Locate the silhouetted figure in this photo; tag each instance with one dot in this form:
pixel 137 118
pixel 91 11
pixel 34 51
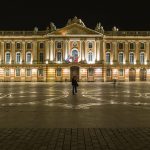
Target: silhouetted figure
pixel 114 81
pixel 74 85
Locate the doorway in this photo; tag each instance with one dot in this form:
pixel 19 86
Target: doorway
pixel 143 74
pixel 74 71
pixel 132 75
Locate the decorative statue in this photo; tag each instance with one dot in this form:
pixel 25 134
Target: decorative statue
pixel 99 28
pixel 52 27
pixel 115 29
pixel 36 29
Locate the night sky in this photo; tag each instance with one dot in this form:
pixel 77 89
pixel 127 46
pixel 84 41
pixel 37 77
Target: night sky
pixel 26 14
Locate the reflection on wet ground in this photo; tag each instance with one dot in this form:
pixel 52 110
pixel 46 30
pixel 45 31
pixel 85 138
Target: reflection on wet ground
pixel 88 96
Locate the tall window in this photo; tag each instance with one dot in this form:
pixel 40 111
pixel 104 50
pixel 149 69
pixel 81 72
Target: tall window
pixel 142 45
pixel 40 72
pixel 28 72
pixel 28 57
pixel 18 57
pixel 121 72
pixel 17 72
pixel 142 58
pixel 7 72
pixel 90 45
pixel 58 56
pixel 58 71
pixel 132 46
pixel 41 57
pixel 90 56
pixel 121 57
pixel 107 57
pixel 108 72
pixel 7 57
pixel 131 58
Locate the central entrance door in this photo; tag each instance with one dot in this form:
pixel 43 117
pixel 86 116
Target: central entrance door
pixel 74 71
pixel 132 75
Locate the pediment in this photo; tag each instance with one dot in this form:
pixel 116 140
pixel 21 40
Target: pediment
pixel 74 29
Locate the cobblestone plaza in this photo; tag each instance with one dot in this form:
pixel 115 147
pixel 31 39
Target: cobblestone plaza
pixel 46 116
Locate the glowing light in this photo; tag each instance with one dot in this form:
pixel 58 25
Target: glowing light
pixel 46 61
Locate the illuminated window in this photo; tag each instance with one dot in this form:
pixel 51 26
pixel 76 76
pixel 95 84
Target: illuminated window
pixel 142 58
pixel 7 57
pixel 90 56
pixel 107 57
pixel 121 72
pixel 28 72
pixel 18 57
pixel 28 57
pixel 17 72
pixel 58 71
pixel 121 57
pixel 40 72
pixel 58 56
pixel 131 58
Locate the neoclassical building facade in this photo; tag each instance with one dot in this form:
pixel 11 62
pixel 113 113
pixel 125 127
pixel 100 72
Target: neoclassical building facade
pixel 59 54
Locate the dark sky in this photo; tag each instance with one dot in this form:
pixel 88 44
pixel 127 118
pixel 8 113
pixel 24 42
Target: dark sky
pixel 26 14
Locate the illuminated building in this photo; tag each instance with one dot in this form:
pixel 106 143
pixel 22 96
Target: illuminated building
pixel 58 54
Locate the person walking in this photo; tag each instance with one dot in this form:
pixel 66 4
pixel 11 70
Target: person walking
pixel 74 85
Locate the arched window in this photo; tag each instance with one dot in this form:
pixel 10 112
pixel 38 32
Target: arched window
pixel 28 57
pixel 74 55
pixel 142 58
pixel 107 57
pixel 59 56
pixel 121 58
pixel 131 58
pixel 18 57
pixel 7 72
pixel 17 72
pixel 90 56
pixel 7 57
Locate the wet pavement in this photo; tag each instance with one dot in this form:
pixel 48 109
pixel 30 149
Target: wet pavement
pixel 99 116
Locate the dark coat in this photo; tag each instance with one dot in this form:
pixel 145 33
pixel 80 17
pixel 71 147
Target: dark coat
pixel 74 82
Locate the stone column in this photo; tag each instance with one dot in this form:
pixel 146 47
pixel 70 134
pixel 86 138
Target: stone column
pixel 66 49
pixel 97 50
pixel 126 53
pixel 83 50
pixel 34 52
pixel 47 54
pixel 137 54
pixel 13 53
pixel 115 54
pixel 23 52
pixel 51 50
pixel 2 53
pixel 147 52
pixel 102 51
